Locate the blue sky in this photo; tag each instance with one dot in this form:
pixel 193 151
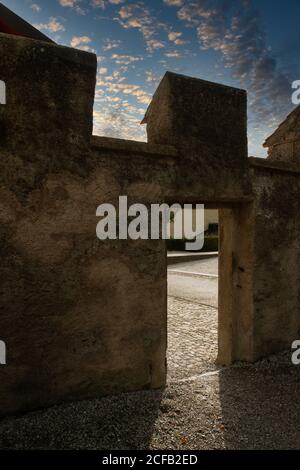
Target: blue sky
pixel 252 44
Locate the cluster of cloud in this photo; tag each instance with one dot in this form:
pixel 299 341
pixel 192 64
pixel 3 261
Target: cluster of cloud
pixel 116 87
pixel 115 113
pixel 230 28
pixel 103 3
pixel 76 5
pixel 137 15
pixel 53 25
pixel 152 78
pixel 81 8
pixel 35 7
pixel 236 33
pixel 111 44
pixel 176 38
pixel 174 3
pixel 120 121
pixel 80 40
pixel 122 59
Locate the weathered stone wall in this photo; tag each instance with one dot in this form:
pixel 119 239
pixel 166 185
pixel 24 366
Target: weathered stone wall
pixel 80 317
pixel 276 276
pixel 83 317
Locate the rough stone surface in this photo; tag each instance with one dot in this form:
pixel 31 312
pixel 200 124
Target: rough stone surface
pixel 196 115
pixel 276 279
pixel 49 96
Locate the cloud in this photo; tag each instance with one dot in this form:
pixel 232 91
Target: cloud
pixel 103 3
pixel 154 44
pixel 173 35
pixel 125 59
pixel 173 55
pixel 124 88
pixel 152 78
pixel 176 38
pixel 115 76
pixel 115 115
pixel 77 41
pixel 174 3
pixel 68 3
pixel 54 26
pixel 111 44
pixel 138 16
pixel 74 4
pixel 119 121
pixel 98 4
pixel 35 7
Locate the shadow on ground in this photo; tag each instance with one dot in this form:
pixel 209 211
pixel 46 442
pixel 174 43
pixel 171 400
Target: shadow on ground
pixel 260 405
pixel 240 407
pixel 120 422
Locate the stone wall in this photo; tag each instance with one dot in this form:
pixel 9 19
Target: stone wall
pixel 79 317
pixel 276 278
pixel 82 317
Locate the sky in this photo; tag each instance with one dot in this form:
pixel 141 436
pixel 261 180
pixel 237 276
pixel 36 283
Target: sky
pixel 250 44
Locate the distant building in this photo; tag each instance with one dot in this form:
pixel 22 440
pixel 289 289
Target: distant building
pixel 211 220
pixel 284 143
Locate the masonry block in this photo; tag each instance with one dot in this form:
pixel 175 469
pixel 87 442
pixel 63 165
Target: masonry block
pixel 49 97
pixel 194 115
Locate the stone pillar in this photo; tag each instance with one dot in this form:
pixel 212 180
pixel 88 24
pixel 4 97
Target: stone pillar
pixel 236 252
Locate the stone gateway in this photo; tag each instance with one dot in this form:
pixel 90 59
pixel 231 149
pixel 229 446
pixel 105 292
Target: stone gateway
pixel 83 317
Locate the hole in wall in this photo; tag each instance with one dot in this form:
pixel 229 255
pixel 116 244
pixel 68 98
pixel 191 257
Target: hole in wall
pixel 193 304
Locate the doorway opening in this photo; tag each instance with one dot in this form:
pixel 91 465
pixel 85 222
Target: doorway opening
pixel 210 308
pixel 193 280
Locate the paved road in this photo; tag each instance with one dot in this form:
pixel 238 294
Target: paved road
pixel 208 266
pixel 186 281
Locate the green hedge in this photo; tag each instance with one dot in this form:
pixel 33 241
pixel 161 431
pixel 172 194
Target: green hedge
pixel 210 244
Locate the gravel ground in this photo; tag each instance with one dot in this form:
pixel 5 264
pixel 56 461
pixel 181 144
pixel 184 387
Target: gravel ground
pixel 204 407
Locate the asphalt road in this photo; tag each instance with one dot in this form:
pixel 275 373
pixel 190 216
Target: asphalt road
pixel 195 281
